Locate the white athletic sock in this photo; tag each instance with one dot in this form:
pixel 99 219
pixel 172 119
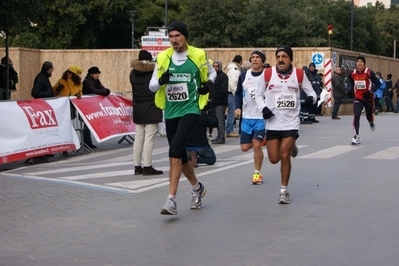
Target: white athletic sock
pixel 196 187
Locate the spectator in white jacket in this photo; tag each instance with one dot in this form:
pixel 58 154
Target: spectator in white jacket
pixel 233 72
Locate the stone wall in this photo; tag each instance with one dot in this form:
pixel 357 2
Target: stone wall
pixel 115 64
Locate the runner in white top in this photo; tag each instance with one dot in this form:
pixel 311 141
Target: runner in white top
pixel 281 110
pixel 252 122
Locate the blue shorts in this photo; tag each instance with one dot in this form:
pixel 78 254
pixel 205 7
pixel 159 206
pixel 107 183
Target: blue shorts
pixel 252 129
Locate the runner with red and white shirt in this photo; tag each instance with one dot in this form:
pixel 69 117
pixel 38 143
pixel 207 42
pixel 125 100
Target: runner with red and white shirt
pixel 281 110
pixel 362 85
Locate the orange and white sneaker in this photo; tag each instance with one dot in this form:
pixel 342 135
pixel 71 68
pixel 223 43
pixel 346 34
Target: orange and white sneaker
pixel 257 179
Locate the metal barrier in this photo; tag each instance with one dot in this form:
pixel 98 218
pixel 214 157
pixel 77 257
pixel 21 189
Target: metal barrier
pixel 78 125
pixel 126 138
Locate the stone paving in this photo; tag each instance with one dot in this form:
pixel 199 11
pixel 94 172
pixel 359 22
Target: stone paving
pixel 343 212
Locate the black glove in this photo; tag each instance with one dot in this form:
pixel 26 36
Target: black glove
pixel 59 88
pixel 164 79
pixel 308 101
pixel 108 92
pixel 205 87
pixel 366 95
pixel 267 113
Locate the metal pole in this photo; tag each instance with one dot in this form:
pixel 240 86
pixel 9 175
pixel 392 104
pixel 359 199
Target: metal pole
pixel 132 32
pixel 166 16
pixel 351 44
pixel 7 88
pixel 132 14
pixel 394 48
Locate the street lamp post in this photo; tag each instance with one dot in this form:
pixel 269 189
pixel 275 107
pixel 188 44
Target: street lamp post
pixel 132 14
pixel 351 41
pixel 330 28
pixel 166 16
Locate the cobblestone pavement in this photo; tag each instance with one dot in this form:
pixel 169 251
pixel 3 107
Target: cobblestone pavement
pixel 89 209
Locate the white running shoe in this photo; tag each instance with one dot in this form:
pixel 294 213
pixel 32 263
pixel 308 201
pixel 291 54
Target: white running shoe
pixel 196 202
pixel 169 207
pixel 372 126
pixel 356 140
pixel 284 197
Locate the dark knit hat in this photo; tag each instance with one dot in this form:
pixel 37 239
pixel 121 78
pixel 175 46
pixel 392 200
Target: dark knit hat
pixel 287 49
pixel 94 70
pixel 180 27
pixel 360 57
pixel 145 55
pixel 261 55
pixel 312 65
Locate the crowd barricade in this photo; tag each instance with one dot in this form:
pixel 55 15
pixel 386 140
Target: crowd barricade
pixel 38 127
pixel 33 128
pixel 128 138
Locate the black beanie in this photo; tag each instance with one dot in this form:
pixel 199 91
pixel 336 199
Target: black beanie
pixel 261 55
pixel 180 27
pixel 145 55
pixel 286 49
pixel 312 65
pixel 360 57
pixel 94 70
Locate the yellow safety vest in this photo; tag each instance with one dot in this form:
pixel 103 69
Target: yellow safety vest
pixel 198 56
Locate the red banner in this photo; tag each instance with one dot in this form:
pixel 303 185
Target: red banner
pixel 106 116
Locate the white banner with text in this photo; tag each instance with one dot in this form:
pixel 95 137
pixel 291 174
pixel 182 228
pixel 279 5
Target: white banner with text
pixel 32 128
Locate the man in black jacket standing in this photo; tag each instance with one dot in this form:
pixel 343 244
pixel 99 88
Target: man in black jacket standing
pixel 42 86
pixel 338 90
pixel 219 100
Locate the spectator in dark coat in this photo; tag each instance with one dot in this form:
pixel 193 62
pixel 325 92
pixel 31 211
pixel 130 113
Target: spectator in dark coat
pixel 42 86
pixel 219 100
pixel 338 90
pixel 12 78
pixel 146 115
pixel 388 93
pixel 317 85
pixel 92 85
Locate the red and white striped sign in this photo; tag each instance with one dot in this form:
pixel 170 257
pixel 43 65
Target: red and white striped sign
pixel 327 81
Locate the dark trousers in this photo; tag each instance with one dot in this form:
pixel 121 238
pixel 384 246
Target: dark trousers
pixel 206 155
pixel 220 114
pixel 389 103
pixel 337 104
pixel 357 111
pixel 87 135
